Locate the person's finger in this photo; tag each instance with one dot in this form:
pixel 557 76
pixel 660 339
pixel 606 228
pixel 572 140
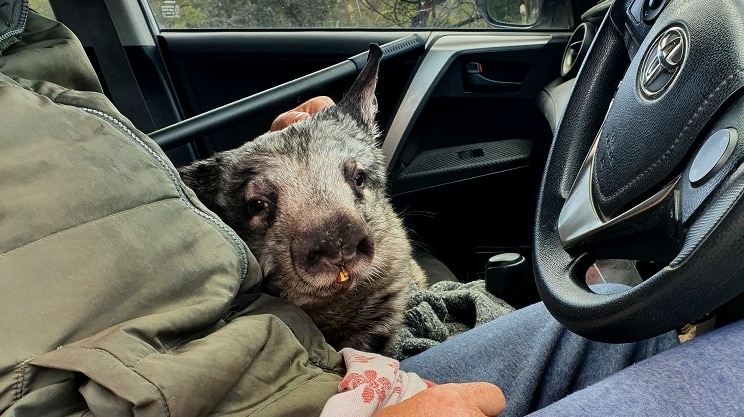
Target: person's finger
pixel 315 104
pixel 487 397
pixel 303 111
pixel 475 399
pixel 287 118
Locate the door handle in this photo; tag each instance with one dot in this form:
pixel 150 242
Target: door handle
pixel 474 80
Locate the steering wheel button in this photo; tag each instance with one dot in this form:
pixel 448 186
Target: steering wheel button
pixel 653 4
pixel 712 155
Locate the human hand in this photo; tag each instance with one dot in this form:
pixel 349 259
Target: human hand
pixel 303 111
pixel 474 399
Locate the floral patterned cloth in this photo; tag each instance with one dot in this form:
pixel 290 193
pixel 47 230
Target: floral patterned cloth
pixel 372 382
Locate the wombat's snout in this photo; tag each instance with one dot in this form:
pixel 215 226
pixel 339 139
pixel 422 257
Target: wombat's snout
pixel 338 241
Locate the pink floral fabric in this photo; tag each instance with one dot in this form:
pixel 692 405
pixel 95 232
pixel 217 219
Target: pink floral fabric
pixel 372 382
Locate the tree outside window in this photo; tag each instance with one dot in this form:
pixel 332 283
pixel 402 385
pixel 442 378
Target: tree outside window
pixel 279 14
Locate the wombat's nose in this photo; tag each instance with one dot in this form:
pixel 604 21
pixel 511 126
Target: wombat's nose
pixel 339 240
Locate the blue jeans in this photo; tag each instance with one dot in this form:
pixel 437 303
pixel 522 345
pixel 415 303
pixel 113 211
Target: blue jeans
pixel 538 364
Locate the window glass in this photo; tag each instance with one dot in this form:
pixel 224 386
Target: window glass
pixel 42 7
pixel 287 14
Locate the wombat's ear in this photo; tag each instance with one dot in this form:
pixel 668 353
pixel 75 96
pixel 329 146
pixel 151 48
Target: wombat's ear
pixel 204 178
pixel 360 100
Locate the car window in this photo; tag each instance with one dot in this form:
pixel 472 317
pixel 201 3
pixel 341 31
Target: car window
pixel 41 7
pixel 330 14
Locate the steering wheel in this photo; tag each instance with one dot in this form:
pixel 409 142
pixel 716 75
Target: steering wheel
pixel 646 164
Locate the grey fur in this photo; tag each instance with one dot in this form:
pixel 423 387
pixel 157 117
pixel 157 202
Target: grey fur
pixel 317 217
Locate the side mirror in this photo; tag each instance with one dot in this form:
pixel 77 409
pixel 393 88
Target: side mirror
pixel 533 14
pixel 511 12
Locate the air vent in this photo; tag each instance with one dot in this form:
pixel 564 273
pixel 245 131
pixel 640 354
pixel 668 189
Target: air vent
pixel 576 50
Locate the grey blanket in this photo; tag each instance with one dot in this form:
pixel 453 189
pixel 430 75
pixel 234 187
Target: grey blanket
pixel 443 310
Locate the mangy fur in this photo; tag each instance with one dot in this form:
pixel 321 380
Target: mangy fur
pixel 307 174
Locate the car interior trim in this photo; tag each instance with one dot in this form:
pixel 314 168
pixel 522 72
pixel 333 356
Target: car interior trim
pixel 189 129
pixel 130 23
pixel 434 63
pixel 580 219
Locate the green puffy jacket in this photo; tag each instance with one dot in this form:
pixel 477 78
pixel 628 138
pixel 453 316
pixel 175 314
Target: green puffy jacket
pixel 120 293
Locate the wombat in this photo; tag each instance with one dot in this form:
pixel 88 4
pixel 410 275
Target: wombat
pixel 310 202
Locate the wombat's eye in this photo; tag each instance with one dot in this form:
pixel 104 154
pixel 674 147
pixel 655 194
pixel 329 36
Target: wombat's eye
pixel 257 206
pixel 359 179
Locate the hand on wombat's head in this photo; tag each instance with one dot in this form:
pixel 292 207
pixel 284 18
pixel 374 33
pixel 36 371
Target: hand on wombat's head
pixel 301 112
pixel 310 201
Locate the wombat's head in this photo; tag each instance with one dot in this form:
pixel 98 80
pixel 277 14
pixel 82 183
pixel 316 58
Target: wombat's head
pixel 310 200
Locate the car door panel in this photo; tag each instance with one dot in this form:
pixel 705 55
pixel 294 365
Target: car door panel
pixel 442 91
pixel 457 148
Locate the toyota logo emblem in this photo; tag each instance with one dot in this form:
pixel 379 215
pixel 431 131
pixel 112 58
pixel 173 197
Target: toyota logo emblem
pixel 662 62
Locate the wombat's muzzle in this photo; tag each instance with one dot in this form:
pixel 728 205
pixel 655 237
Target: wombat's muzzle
pixel 336 242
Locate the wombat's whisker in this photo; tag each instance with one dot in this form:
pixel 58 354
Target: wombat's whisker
pixel 414 237
pixel 421 245
pixel 421 214
pixel 402 212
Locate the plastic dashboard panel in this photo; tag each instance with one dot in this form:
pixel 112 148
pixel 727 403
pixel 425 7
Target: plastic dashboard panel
pixel 456 163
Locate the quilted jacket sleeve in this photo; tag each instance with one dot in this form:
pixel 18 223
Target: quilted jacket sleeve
pixel 116 284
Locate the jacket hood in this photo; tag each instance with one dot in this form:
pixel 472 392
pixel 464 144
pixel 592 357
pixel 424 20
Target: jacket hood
pixel 13 15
